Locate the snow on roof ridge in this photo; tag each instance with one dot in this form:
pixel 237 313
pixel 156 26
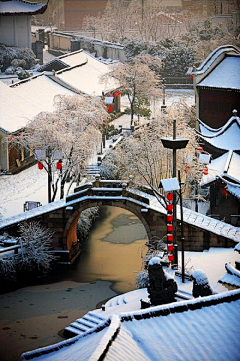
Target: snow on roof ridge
pixel 213 56
pixel 14 85
pixel 65 84
pixel 71 67
pixel 81 51
pixel 181 306
pixel 228 161
pixel 70 54
pixel 108 337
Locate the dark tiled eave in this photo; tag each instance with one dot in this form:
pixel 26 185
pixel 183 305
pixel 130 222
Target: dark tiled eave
pixel 30 13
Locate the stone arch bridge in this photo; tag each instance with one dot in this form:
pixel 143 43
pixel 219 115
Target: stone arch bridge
pixel 200 232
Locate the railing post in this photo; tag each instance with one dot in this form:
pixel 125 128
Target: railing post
pixel 97 180
pixel 124 189
pixel 130 183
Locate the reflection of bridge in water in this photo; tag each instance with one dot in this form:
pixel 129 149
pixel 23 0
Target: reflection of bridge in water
pixel 200 232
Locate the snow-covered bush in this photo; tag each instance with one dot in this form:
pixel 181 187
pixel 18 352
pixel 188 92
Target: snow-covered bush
pixel 25 55
pixel 10 70
pixel 142 279
pixel 19 63
pixel 8 272
pixel 23 74
pixel 177 57
pixel 85 222
pixel 108 168
pixel 34 257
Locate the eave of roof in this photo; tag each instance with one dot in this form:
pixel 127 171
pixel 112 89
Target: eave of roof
pixel 217 132
pixel 21 7
pixel 212 57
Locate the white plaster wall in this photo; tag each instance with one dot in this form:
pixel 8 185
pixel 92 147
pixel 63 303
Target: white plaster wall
pixel 15 31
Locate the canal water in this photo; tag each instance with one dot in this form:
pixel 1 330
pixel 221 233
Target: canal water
pixel 31 317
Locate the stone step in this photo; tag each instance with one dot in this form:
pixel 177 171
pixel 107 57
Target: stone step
pixel 80 326
pixel 83 324
pixel 87 322
pixel 93 317
pixel 70 331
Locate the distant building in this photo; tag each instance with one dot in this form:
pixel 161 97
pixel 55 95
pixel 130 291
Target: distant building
pixel 217 86
pixel 15 21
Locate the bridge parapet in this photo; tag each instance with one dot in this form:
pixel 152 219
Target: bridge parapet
pixel 122 191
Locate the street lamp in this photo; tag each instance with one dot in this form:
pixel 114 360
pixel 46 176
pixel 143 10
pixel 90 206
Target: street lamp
pixel 174 143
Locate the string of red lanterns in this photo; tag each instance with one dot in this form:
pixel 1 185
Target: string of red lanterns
pixel 58 165
pixel 170 226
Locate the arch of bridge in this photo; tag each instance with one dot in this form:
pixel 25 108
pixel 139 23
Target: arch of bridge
pixel 70 230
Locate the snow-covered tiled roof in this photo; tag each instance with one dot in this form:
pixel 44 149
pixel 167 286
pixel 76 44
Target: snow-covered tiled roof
pixel 225 75
pixel 20 7
pixel 227 164
pixel 24 100
pixel 85 73
pixel 226 138
pixel 206 328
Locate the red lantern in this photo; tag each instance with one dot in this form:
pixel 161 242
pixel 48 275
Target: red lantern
pixel 191 76
pixel 40 166
pixel 110 108
pixel 200 149
pixel 205 171
pixel 187 168
pixel 59 165
pixel 169 227
pixel 170 257
pixel 170 237
pixel 224 191
pixel 170 247
pixel 170 196
pixel 169 218
pixel 170 207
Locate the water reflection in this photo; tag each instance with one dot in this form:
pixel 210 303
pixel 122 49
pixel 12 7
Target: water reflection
pixel 113 251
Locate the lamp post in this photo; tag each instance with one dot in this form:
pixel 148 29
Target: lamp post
pixel 182 237
pixel 48 155
pixel 174 143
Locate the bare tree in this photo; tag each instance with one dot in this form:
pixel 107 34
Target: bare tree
pixel 72 132
pixel 137 81
pixel 144 156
